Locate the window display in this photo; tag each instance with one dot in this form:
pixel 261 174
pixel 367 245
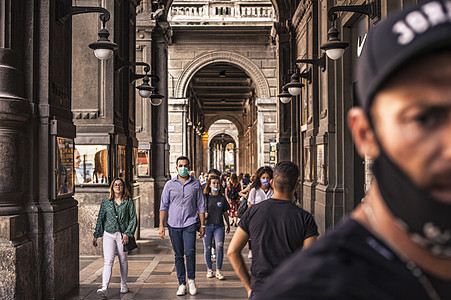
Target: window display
pixel 143 162
pixel 64 166
pixel 91 164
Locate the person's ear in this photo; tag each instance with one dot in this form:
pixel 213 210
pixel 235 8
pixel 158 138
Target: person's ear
pixel 271 183
pixel 362 133
pixel 297 186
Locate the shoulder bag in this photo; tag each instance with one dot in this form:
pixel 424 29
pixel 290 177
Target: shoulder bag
pixel 131 239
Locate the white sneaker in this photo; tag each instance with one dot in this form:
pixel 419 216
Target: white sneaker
pixel 124 288
pixel 182 290
pixel 219 275
pixel 209 273
pixel 249 255
pixel 102 292
pixel 192 287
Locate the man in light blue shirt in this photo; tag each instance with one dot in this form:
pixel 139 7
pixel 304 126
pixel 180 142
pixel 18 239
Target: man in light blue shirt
pixel 181 201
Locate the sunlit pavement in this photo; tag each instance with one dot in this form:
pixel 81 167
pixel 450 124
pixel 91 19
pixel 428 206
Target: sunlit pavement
pixel 152 274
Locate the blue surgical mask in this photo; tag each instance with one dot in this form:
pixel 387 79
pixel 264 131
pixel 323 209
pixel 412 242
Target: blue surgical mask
pixel 264 182
pixel 183 171
pixel 215 190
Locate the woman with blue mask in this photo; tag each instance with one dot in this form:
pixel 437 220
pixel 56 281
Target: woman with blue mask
pixel 260 191
pixel 216 213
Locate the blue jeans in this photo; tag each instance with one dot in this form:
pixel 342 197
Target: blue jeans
pixel 219 233
pixel 184 243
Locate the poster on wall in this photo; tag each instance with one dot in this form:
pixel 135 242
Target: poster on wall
pixel 307 165
pixel 143 162
pixel 91 164
pixel 272 154
pixel 321 166
pixel 65 166
pixel 121 161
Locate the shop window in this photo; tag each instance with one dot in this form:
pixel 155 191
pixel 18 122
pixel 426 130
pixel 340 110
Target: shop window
pixel 91 164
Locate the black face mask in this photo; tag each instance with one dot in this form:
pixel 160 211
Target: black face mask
pixel 427 220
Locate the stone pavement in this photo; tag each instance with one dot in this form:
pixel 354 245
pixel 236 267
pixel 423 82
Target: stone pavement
pixel 152 275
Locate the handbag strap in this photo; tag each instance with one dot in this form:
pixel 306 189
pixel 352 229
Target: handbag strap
pixel 117 217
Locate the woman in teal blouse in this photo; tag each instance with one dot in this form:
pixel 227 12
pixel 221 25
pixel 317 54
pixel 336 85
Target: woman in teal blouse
pixel 107 226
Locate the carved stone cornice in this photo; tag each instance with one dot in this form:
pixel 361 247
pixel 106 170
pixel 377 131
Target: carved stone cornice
pixel 300 12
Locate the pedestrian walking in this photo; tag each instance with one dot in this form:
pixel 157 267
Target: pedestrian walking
pixel 260 191
pixel 117 208
pixel 216 213
pixel 213 172
pixel 277 228
pixel 397 242
pixel 232 194
pixel 182 201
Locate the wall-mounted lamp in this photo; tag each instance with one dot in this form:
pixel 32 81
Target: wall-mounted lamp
pixel 156 99
pixel 103 48
pixel 334 47
pixel 320 62
pixel 145 89
pixel 285 96
pixel 295 86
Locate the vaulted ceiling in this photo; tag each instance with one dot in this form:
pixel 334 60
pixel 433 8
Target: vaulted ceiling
pixel 222 87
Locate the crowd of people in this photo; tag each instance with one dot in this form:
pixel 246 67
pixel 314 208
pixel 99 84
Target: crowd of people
pixel 397 242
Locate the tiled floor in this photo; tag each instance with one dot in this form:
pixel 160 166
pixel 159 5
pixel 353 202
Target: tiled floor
pixel 152 274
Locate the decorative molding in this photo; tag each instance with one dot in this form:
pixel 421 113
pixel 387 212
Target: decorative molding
pixel 251 69
pixel 85 114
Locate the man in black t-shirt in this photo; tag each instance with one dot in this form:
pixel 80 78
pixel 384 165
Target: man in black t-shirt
pixel 277 228
pixel 397 243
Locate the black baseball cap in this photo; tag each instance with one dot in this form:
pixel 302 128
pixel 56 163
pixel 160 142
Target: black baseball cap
pixel 402 37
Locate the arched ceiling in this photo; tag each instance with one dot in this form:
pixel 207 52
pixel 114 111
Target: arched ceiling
pixel 221 87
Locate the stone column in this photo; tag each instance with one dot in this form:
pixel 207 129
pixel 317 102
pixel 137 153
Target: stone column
pixel 283 110
pixel 160 147
pixel 18 257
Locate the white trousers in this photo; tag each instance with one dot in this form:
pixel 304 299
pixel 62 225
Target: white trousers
pixel 111 243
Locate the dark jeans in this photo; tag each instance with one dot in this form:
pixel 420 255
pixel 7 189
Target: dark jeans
pixel 184 243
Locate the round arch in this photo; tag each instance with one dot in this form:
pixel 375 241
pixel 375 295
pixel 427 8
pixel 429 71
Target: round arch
pixel 210 121
pixel 251 69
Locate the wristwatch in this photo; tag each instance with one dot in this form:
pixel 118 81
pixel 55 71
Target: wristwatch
pixel 203 226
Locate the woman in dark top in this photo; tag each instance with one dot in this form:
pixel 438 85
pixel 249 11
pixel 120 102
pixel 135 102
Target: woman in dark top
pixel 113 240
pixel 216 212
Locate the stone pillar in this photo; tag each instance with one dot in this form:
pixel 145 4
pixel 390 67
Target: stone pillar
pixel 160 144
pixel 18 255
pixel 38 230
pixel 283 110
pixel 266 121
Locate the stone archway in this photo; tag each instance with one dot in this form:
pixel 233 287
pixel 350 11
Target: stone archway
pixel 251 69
